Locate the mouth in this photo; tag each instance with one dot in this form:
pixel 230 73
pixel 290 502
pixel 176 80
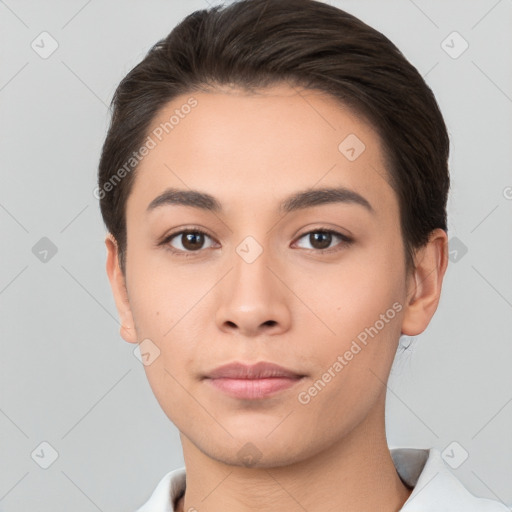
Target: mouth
pixel 252 382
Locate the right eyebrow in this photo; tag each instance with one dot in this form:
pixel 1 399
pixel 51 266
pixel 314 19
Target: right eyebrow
pixel 173 196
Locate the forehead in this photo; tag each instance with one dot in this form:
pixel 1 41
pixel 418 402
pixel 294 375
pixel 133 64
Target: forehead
pixel 252 147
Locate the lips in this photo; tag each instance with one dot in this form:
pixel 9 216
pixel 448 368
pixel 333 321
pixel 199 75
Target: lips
pixel 261 370
pixel 251 382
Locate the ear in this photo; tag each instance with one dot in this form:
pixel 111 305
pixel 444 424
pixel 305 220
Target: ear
pixel 424 283
pixel 118 285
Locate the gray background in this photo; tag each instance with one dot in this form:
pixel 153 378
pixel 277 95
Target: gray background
pixel 66 376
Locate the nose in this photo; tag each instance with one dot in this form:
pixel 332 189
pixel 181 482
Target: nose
pixel 253 300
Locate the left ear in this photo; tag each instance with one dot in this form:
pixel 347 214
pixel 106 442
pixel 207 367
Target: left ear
pixel 425 282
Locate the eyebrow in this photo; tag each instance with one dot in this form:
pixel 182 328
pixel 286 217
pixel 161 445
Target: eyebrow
pixel 297 201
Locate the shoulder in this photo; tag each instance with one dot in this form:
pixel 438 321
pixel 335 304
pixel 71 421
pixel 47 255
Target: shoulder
pixel 435 487
pixel 169 489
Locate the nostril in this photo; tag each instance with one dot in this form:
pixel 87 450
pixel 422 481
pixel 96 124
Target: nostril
pixel 270 323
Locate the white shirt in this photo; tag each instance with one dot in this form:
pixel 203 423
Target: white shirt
pixel 435 488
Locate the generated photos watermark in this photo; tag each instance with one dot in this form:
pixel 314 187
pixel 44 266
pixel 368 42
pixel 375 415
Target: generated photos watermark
pixel 151 142
pixel 305 397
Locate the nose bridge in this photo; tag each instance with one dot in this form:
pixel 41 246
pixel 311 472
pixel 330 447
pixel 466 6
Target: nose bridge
pixel 253 298
pixel 250 263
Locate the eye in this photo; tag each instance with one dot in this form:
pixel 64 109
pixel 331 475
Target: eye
pixel 189 240
pixel 321 239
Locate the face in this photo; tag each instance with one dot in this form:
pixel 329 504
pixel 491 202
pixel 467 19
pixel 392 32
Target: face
pixel 282 270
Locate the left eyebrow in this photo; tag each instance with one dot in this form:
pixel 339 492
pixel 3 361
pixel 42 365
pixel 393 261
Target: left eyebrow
pixel 318 196
pixel 298 201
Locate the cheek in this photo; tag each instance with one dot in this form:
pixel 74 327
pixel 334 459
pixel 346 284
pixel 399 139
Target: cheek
pixel 159 299
pixel 348 297
pixel 358 309
pixel 351 365
pixel 173 340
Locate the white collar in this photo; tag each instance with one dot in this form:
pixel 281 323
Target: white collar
pixel 436 489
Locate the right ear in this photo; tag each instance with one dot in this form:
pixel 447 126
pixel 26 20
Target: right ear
pixel 118 285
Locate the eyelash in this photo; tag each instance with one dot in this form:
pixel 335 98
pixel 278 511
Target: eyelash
pixel 345 241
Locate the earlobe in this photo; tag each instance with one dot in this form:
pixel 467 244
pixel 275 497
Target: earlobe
pixel 425 283
pixel 118 286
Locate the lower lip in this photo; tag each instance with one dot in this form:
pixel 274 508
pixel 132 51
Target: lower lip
pixel 253 389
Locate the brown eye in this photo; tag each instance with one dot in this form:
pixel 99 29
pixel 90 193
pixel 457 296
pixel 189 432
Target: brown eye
pixel 188 241
pixel 192 241
pixel 322 239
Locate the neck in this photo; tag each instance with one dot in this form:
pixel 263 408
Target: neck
pixel 356 474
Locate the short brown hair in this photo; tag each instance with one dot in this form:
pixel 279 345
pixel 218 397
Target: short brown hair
pixel 256 43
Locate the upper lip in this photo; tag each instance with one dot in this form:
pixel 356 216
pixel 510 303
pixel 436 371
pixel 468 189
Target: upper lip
pixel 260 370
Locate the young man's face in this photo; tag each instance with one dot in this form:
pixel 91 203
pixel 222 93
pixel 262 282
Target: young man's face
pixel 257 287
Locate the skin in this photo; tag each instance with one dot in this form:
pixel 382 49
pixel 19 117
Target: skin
pixel 293 305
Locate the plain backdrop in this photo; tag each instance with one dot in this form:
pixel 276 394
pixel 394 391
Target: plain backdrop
pixel 69 381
